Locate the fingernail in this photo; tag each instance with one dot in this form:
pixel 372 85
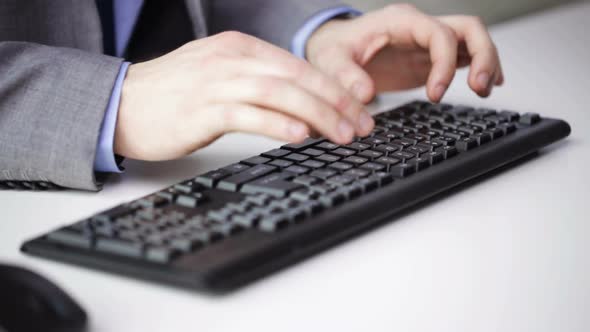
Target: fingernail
pixel 345 129
pixel 483 80
pixel 366 122
pixel 358 91
pixel 439 91
pixel 297 130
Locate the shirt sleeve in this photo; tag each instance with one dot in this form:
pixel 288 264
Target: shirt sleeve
pixel 302 35
pixel 105 157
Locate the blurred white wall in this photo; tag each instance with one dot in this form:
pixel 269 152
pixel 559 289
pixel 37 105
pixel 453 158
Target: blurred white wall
pixel 490 10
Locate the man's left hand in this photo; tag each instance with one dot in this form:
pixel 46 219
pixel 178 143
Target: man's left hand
pixel 399 47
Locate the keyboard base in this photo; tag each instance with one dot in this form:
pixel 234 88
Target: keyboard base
pixel 251 255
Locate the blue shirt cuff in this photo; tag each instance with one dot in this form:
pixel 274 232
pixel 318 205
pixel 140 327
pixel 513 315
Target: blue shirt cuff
pixel 302 35
pixel 105 157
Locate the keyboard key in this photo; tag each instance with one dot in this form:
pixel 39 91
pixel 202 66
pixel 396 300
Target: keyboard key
pixel 273 223
pixel 259 200
pixel 253 161
pixel 210 179
pixel 304 195
pixel 355 160
pixel 402 155
pixel 306 180
pixel 325 173
pixel 529 119
pixel 188 187
pixel 344 152
pixel 507 128
pixel 435 157
pixel 161 254
pixel 509 115
pixel 444 140
pixel 357 146
pixel 419 163
pixel 236 168
pixel 402 143
pixel 234 182
pixel 340 180
pixel 495 133
pixel 120 247
pixel 313 164
pixel 274 184
pixel 328 146
pixel 226 229
pixel 402 170
pixel 184 244
pixel 357 173
pixel 247 220
pixel 368 184
pixel 308 142
pixel 191 200
pixel 466 144
pixel 341 166
pixel 296 169
pixel 388 161
pixel 220 215
pixel 370 154
pixel 313 152
pixel 447 151
pixel 417 150
pixel 281 163
pixel 152 201
pixel 333 199
pixel 322 188
pixel 388 148
pixel 482 138
pixel 454 135
pixel 328 158
pixel 276 153
pixel 371 166
pixel 296 157
pixel 374 141
pixel 70 237
pixel 383 177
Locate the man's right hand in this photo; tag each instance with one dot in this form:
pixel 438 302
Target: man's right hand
pixel 184 100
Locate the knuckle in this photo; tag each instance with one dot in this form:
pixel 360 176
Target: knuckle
pixel 401 6
pixel 233 37
pixel 475 21
pixel 265 88
pixel 448 33
pixel 297 69
pixel 227 118
pixel 343 103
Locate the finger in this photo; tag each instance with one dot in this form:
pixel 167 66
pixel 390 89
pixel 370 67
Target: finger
pixel 257 120
pixel 313 81
pixel 288 98
pixel 485 64
pixel 283 64
pixel 339 63
pixel 442 44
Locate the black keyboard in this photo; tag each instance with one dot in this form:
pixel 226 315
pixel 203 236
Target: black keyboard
pixel 225 228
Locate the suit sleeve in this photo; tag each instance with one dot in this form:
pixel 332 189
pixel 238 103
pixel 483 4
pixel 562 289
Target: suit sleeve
pixel 275 21
pixel 52 104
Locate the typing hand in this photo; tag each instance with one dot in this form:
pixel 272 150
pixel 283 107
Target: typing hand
pixel 399 47
pixel 182 101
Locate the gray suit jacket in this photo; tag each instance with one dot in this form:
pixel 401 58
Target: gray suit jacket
pixel 55 82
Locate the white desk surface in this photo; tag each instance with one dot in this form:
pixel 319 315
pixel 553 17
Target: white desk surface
pixel 507 254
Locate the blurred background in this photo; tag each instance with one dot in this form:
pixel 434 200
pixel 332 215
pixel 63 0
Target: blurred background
pixel 491 11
